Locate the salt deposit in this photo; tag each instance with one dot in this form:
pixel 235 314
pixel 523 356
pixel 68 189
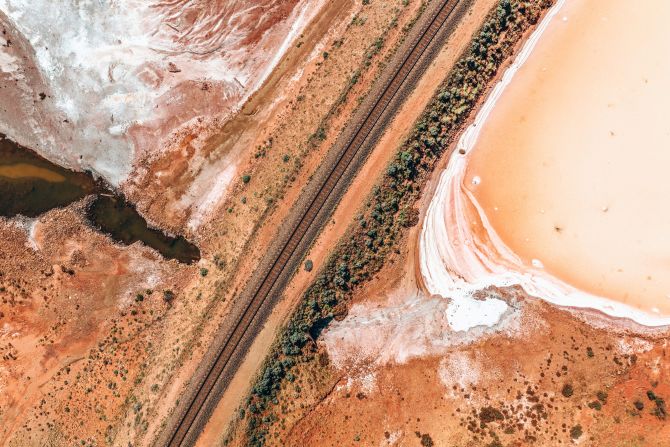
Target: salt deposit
pixel 548 196
pixel 119 77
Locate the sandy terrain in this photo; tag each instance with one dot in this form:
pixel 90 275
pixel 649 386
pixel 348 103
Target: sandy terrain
pixel 398 374
pixel 394 372
pixel 510 215
pixel 397 370
pixel 343 215
pixel 126 385
pixel 283 133
pixel 69 316
pixel 545 377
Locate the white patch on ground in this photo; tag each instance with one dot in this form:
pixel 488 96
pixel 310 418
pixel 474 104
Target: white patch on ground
pixel 368 382
pixel 8 62
pixel 633 345
pixel 416 326
pixel 365 381
pixel 29 225
pixel 460 369
pixel 393 438
pixel 466 312
pixel 112 66
pixel 32 231
pixel 205 195
pixel 152 273
pixel 464 370
pixel 152 280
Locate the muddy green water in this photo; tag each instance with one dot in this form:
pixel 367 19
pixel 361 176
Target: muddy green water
pixel 31 185
pixel 119 219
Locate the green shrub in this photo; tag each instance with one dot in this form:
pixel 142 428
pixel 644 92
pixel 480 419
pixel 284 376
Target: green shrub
pixel 168 296
pixel 602 396
pixel 567 390
pixel 367 246
pixel 576 432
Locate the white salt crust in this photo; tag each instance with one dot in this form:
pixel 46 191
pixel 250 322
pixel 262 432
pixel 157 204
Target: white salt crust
pixel 455 262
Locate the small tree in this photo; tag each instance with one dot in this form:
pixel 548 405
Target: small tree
pixel 168 296
pixel 576 432
pixel 567 390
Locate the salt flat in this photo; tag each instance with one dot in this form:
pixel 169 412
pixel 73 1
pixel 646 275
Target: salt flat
pixel 565 189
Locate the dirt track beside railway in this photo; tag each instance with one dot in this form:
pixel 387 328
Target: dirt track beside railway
pixel 314 209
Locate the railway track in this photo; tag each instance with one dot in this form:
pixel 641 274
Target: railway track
pixel 302 227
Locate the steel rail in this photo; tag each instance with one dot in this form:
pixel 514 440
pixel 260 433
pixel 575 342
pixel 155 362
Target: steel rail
pixel 180 433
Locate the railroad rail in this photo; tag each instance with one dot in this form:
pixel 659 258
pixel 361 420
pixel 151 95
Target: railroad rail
pixel 317 204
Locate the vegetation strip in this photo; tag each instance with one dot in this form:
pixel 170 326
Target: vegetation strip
pixel 304 226
pixel 390 210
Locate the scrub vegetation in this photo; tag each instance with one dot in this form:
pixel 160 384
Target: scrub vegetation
pixel 382 223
